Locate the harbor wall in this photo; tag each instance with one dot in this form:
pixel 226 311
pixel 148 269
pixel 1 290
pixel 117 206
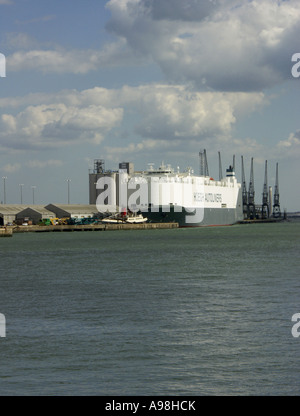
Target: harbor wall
pixel 98 227
pixel 6 232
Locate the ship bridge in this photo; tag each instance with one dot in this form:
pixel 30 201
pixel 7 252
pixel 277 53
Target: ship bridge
pixel 163 169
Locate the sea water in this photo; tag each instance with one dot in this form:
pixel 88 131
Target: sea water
pixel 203 311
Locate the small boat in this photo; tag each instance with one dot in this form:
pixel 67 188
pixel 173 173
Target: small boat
pixel 112 220
pixel 136 219
pixel 125 218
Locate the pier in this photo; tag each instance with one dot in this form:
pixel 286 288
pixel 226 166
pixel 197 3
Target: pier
pixel 91 227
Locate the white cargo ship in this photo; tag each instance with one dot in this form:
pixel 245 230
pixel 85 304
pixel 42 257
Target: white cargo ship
pixel 166 195
pixel 190 200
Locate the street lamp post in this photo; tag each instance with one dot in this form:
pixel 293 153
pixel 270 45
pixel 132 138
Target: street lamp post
pixel 68 180
pixel 21 191
pixel 4 189
pixel 33 188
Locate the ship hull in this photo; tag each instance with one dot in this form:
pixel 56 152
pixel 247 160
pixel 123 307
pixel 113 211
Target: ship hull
pixel 211 217
pixel 186 217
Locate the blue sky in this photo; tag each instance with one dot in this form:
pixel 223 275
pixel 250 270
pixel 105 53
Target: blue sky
pixel 146 81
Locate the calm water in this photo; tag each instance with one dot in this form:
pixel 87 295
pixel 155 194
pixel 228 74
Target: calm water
pixel 160 312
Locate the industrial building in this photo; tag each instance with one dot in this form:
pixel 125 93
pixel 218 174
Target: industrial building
pixel 33 214
pixel 8 213
pixel 72 210
pixel 112 201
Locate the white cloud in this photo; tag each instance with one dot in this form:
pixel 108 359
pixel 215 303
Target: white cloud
pixel 59 60
pixel 175 112
pixel 19 40
pixel 161 112
pixel 221 45
pixel 191 10
pixel 11 167
pixel 45 18
pixel 291 146
pixel 44 164
pixel 134 149
pixel 224 45
pixel 287 149
pixel 54 125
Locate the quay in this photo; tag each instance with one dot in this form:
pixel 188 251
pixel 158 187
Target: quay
pixel 6 232
pixel 261 220
pixel 92 227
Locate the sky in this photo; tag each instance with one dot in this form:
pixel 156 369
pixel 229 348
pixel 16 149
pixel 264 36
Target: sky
pixel 146 81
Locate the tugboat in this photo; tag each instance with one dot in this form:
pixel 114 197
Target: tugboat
pixel 125 218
